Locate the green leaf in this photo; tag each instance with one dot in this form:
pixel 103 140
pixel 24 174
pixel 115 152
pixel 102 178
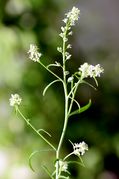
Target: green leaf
pixel 85 82
pixel 39 130
pixel 46 88
pixel 82 109
pixel 32 155
pixel 47 171
pixel 75 162
pixel 63 177
pixel 30 161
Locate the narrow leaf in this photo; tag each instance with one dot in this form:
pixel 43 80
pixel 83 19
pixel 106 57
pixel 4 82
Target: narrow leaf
pixel 46 88
pixel 63 177
pixel 47 171
pixel 82 109
pixel 30 162
pixel 32 155
pixel 44 132
pixel 75 162
pixel 90 84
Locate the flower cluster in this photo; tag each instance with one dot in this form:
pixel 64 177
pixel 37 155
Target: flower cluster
pixel 33 53
pixel 63 166
pixel 15 100
pixel 87 70
pixel 79 149
pixel 69 21
pixel 72 16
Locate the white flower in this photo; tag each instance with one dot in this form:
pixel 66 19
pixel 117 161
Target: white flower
pixel 84 69
pixel 70 33
pixel 65 20
pixel 72 16
pixel 79 149
pixel 98 70
pixel 63 166
pixel 59 49
pixel 33 53
pixel 67 55
pixel 87 70
pixel 70 79
pixel 69 46
pixel 15 100
pixel 57 64
pixel 66 72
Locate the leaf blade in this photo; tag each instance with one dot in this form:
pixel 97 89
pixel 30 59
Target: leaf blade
pixel 82 109
pixel 46 88
pixel 30 157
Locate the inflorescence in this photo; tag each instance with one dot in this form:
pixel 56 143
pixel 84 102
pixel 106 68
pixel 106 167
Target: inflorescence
pixel 33 53
pixel 15 100
pixel 84 71
pixel 79 149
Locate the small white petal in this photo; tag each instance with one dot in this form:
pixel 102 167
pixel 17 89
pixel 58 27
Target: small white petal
pixel 70 79
pixel 79 149
pixel 63 166
pixel 69 46
pixel 59 49
pixel 15 100
pixel 33 53
pixel 73 15
pixel 87 70
pixel 65 20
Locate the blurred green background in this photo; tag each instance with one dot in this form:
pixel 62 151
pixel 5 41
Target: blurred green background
pixel 95 40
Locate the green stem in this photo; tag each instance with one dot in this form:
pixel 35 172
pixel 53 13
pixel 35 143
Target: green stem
pixel 73 92
pixel 36 131
pixel 50 71
pixel 47 171
pixel 64 128
pixel 74 87
pixel 66 109
pixel 68 155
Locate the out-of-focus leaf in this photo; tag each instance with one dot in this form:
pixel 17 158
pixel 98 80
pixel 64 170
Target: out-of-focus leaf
pixel 47 171
pixel 75 162
pixel 30 162
pixel 32 155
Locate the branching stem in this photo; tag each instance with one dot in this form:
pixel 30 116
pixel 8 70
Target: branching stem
pixel 35 130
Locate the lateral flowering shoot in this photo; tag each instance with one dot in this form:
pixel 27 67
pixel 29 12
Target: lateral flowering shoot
pixel 79 149
pixel 71 17
pixel 87 70
pixel 70 79
pixel 33 53
pixel 15 100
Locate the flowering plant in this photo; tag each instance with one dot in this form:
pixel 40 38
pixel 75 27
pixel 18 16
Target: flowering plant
pixel 70 85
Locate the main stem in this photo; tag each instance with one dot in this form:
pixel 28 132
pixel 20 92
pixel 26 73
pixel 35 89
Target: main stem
pixel 66 110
